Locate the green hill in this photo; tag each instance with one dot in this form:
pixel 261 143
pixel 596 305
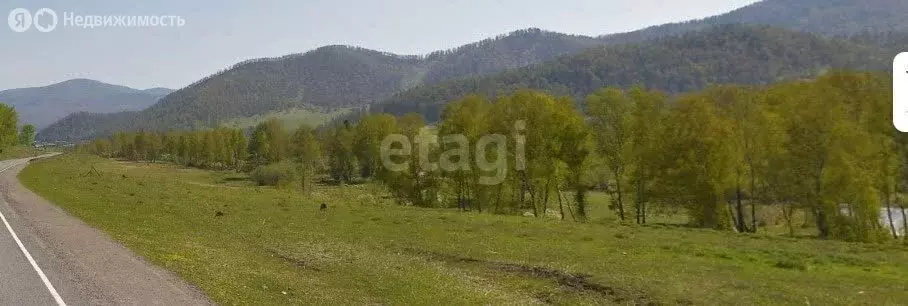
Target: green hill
pixel 335 77
pixel 331 78
pixel 720 55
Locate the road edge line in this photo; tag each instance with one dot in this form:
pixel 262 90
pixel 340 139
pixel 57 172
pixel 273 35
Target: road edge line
pixel 28 255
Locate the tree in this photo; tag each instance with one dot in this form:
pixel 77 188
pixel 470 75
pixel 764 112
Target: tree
pixel 367 138
pixel 575 147
pixel 417 184
pixel 463 123
pixel 101 147
pixel 760 135
pixel 27 135
pixel 813 146
pixel 610 119
pixel 306 152
pixel 338 142
pixel 647 114
pixel 238 145
pixel 9 135
pixel 833 151
pixel 548 152
pixel 269 143
pixel 702 161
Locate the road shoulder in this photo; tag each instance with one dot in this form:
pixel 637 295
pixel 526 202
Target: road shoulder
pixel 83 263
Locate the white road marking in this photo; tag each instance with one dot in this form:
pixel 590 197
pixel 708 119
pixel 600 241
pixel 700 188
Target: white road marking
pixel 29 255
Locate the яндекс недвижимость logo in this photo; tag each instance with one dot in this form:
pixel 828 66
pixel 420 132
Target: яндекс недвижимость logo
pixel 46 20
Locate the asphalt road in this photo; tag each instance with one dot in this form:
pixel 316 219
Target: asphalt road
pixel 48 257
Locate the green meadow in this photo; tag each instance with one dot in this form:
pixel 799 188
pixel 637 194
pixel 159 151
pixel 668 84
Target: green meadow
pixel 245 244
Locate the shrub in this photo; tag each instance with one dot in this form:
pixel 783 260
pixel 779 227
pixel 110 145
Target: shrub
pixel 280 174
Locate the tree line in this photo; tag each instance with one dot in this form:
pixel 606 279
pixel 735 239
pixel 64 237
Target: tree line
pixel 348 77
pixel 823 148
pixel 10 133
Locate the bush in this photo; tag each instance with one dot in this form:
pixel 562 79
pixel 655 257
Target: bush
pixel 280 174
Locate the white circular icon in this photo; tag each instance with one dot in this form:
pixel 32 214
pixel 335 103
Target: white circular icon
pixel 20 20
pixel 45 20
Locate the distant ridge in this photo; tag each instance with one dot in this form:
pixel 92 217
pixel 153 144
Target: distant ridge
pixel 44 105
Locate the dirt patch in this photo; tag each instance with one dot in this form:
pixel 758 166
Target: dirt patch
pixel 213 185
pixel 293 261
pixel 578 282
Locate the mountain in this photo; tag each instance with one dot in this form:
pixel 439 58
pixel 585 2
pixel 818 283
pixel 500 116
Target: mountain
pixel 42 106
pixel 722 54
pixel 330 77
pixel 158 91
pixel 826 17
pixel 726 54
pixel 339 76
pixel 517 49
pixel 342 76
pixel 85 125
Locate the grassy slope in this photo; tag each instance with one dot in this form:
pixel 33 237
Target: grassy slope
pixel 274 247
pixel 291 118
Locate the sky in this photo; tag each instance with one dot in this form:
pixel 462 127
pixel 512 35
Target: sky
pixel 220 33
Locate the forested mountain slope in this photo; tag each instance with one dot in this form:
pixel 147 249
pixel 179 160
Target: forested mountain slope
pixel 340 76
pixel 827 17
pixel 85 125
pixel 724 54
pixel 328 77
pixel 518 49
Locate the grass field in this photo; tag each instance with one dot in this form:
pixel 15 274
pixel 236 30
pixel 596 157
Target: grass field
pixel 290 119
pixel 21 152
pixel 243 244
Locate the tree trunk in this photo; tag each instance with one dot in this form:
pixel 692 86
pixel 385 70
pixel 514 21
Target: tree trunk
pixel 569 207
pixel 533 202
pixel 580 197
pixel 753 202
pixel 498 199
pixel 522 194
pixel 904 224
pixel 788 215
pixel 560 206
pixel 476 199
pixel 545 197
pixel 739 208
pixel 620 200
pixel 638 201
pixel 895 233
pixel 734 219
pixel 820 211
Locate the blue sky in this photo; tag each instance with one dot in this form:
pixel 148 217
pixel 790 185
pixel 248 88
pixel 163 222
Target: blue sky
pixel 218 34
